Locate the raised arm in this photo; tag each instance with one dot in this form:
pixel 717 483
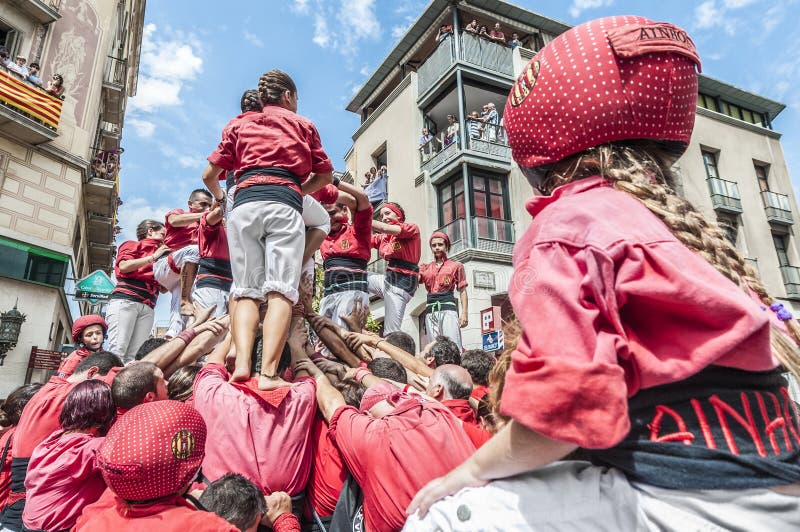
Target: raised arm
pixel 407 360
pixel 362 202
pixel 131 265
pixel 316 182
pixel 211 181
pixel 182 220
pixel 329 399
pixel 209 335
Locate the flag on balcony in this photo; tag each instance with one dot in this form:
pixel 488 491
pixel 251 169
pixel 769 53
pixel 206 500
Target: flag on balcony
pixel 29 100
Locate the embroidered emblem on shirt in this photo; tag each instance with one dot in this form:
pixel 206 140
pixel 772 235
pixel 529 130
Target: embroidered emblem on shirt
pixel 345 244
pixel 182 444
pixel 446 280
pixel 396 246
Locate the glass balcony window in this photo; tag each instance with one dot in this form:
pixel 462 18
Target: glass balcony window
pixel 725 195
pixel 777 207
pixel 791 280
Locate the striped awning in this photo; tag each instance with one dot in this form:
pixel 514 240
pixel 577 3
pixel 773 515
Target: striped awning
pixel 29 100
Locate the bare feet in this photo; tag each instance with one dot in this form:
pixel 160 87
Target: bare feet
pixel 241 371
pixel 267 383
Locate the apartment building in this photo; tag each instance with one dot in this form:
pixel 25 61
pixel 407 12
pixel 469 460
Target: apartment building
pixel 468 186
pixel 59 159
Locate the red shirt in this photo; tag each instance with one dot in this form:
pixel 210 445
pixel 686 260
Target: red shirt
pixel 180 237
pixel 443 277
pixel 477 434
pixel 479 392
pixel 212 240
pixel 133 249
pixel 392 457
pixel 173 514
pixel 461 409
pixel 607 297
pixel 327 195
pixel 352 240
pixel 265 436
pixel 63 478
pixel 5 472
pixel 328 472
pixel 275 137
pixel 404 246
pixel 69 364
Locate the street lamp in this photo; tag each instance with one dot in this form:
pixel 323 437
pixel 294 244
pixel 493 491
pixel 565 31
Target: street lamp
pixel 10 325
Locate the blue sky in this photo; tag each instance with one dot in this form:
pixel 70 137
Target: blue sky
pixel 197 62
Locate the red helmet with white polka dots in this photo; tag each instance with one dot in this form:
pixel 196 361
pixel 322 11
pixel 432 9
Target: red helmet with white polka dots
pixel 153 450
pixel 611 79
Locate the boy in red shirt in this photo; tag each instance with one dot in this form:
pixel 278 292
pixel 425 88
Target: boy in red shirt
pixel 176 271
pixel 646 339
pixel 130 312
pixel 398 243
pixel 88 332
pixel 441 277
pixel 273 153
pixel 214 275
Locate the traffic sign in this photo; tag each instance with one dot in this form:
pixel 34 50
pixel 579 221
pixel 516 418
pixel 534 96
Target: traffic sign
pixel 494 341
pixel 491 320
pixel 97 286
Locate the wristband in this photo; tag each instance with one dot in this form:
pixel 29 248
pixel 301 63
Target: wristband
pixel 336 181
pixel 360 373
pixel 405 388
pixel 187 335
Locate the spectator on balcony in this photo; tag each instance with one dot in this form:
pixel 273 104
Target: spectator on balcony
pixel 484 32
pixel 472 27
pixel 4 59
pixel 492 120
pixel 497 35
pixel 514 42
pixel 474 125
pixel 444 32
pixel 56 86
pixel 18 67
pixel 451 134
pixel 33 75
pixel 377 191
pixel 427 145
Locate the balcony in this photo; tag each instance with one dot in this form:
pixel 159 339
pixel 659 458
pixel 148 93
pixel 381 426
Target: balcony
pixel 27 113
pixel 488 235
pixel 113 92
pixel 103 184
pixel 489 139
pixel 791 280
pixel 725 195
pixel 487 55
pixel 436 65
pixel 100 228
pixel 101 256
pixel 44 11
pixel 777 207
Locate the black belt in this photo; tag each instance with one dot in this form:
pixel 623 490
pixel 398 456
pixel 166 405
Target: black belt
pixel 402 264
pixel 218 267
pixel 268 170
pixel 268 191
pixel 440 301
pixel 344 262
pixel 230 180
pixel 343 281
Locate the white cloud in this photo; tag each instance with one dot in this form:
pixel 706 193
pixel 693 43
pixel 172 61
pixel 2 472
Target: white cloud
pixel 322 36
pixel 253 39
pixel 187 161
pixel 351 22
pixel 579 6
pixel 400 30
pixel 133 211
pixel 736 4
pixel 300 6
pixel 166 65
pixel 708 15
pixel 142 128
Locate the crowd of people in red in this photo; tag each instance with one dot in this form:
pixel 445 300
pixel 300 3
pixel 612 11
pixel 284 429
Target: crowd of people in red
pixel 644 388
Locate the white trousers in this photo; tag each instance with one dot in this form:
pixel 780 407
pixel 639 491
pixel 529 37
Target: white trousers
pixel 129 325
pixel 394 301
pixel 443 323
pixel 577 496
pixel 171 280
pixel 206 296
pixel 341 304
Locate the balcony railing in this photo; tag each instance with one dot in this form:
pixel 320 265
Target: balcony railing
pixel 44 11
pixel 791 280
pixel 436 65
pixel 777 207
pixel 431 159
pixel 725 195
pixel 487 54
pixel 115 73
pixel 29 106
pixel 488 234
pixel 487 138
pixel 105 165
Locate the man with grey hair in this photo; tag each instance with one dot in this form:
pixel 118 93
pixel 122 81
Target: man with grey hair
pixel 451 385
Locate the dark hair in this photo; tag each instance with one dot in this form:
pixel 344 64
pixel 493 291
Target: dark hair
pixel 445 351
pixel 273 84
pixel 149 345
pixel 181 383
pixel 388 368
pixel 257 355
pixel 145 225
pixel 34 65
pixel 12 407
pixel 352 391
pixel 455 389
pixel 251 101
pixel 133 383
pixel 88 405
pixel 236 499
pixel 200 191
pixel 402 340
pixel 60 79
pixel 104 361
pixel 479 363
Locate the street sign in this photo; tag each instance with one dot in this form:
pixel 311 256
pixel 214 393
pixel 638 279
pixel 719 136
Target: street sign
pixel 493 341
pixel 97 286
pixel 45 359
pixel 491 320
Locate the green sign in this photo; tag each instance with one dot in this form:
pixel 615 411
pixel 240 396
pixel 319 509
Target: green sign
pixel 97 286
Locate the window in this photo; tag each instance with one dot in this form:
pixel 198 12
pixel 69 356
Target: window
pixel 451 201
pixel 29 263
pixel 10 38
pixel 730 225
pixel 761 175
pixel 707 102
pixel 488 197
pixel 710 161
pixel 781 248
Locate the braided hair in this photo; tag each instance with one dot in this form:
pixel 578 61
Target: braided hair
pixel 273 84
pixel 642 169
pixel 251 101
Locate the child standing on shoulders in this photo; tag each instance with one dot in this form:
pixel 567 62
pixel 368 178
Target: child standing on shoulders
pixel 277 157
pixel 441 277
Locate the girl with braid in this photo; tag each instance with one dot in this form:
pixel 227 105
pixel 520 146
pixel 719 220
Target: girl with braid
pixel 645 339
pixel 277 157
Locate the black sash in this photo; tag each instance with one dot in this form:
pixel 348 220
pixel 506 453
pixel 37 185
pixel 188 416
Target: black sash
pixel 439 301
pixel 268 192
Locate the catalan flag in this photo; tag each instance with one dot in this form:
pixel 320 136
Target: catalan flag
pixel 30 100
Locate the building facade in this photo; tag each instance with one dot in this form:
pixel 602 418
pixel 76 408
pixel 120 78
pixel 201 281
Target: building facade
pixel 463 181
pixel 60 158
